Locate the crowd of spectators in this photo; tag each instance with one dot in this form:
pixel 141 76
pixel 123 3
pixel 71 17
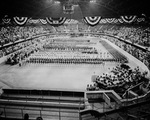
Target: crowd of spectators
pixel 142 55
pixel 135 34
pixel 119 79
pixel 10 35
pixel 24 50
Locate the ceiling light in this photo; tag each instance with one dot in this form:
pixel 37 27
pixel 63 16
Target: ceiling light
pixel 92 1
pixel 57 2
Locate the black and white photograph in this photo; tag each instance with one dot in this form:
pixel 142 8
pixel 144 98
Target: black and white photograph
pixel 74 60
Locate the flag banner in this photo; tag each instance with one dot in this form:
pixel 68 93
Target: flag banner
pixel 6 20
pixel 20 20
pixel 43 21
pixel 55 21
pixel 110 20
pixel 129 19
pixel 92 20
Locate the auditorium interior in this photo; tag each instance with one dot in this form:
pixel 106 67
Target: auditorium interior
pixel 74 60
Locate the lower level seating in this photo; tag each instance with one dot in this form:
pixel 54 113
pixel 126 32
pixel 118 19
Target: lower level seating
pixel 49 104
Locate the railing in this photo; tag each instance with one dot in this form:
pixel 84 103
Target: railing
pixel 47 113
pixel 48 104
pixel 104 110
pixel 25 39
pixel 63 113
pixel 106 113
pixel 46 110
pixel 101 107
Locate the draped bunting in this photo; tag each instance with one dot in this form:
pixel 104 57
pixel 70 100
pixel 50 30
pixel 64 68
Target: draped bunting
pixel 103 21
pixel 84 21
pixel 56 21
pixel 116 21
pixel 110 20
pixel 6 20
pixel 34 21
pixel 20 20
pixel 140 20
pixel 71 21
pixel 128 19
pixel 43 21
pixel 92 20
pixel 120 20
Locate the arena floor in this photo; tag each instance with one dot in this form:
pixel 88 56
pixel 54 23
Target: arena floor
pixel 51 76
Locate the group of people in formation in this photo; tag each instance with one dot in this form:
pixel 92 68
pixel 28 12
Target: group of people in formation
pixel 57 51
pixel 34 51
pixel 70 56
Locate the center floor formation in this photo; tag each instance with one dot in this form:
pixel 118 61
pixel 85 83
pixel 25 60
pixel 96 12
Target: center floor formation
pixel 37 75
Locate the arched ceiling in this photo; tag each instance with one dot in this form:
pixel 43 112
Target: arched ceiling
pixel 54 8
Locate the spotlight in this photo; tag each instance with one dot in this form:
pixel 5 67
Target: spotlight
pixel 92 1
pixel 68 8
pixel 49 1
pixel 57 2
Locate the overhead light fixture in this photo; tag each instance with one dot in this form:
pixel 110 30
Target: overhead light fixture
pixel 57 2
pixel 68 8
pixel 92 1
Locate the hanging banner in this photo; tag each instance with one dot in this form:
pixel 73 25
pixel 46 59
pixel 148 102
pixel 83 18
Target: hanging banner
pixel 55 21
pixel 120 20
pixel 103 21
pixel 6 20
pixel 92 20
pixel 33 21
pixel 84 21
pixel 20 20
pixel 140 20
pixel 128 19
pixel 71 21
pixel 110 20
pixel 116 21
pixel 43 21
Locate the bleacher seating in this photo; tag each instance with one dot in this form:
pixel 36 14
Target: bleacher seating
pixel 122 80
pixel 45 103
